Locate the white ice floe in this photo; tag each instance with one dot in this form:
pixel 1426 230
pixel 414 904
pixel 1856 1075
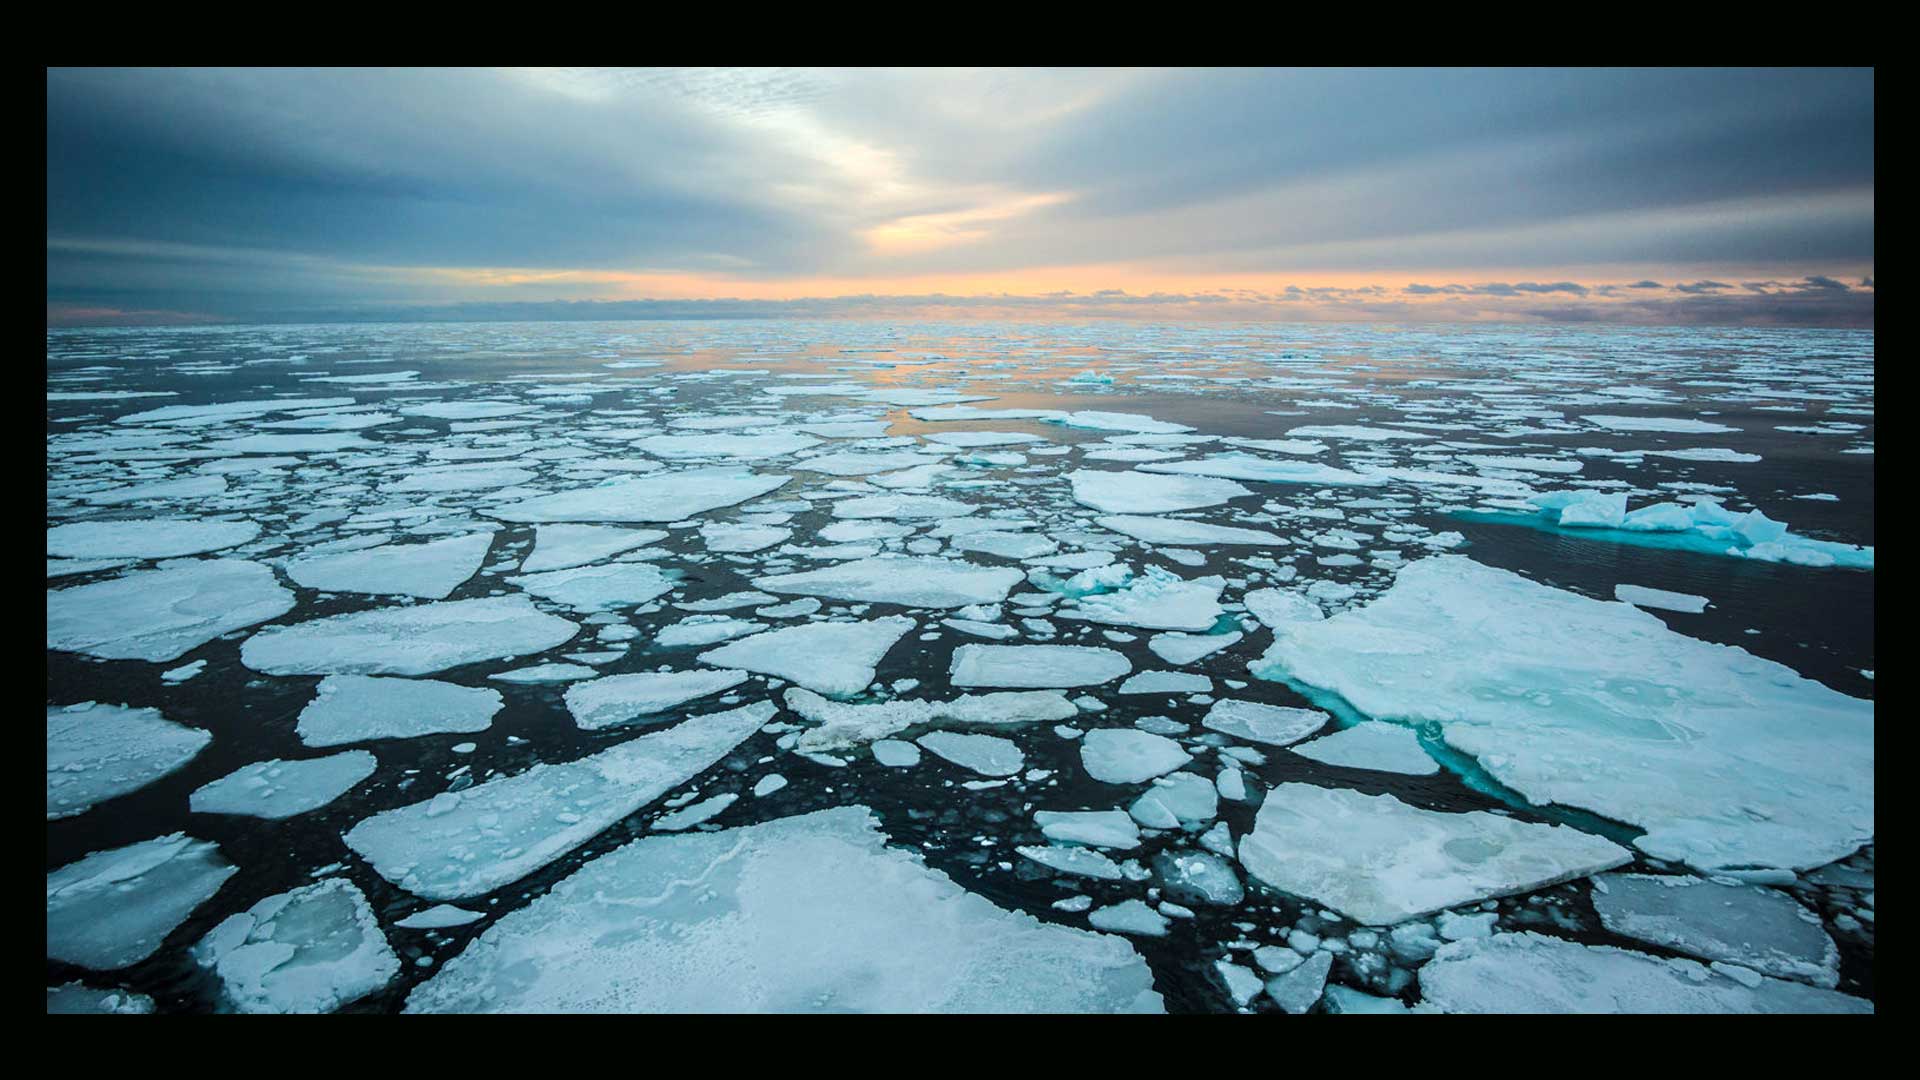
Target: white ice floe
pixel 1643 597
pixel 544 673
pixel 1135 493
pixel 832 658
pixel 561 547
pixel 356 708
pixel 466 843
pixel 1372 745
pixel 430 570
pixel 988 755
pixel 146 538
pixel 616 699
pixel 1095 828
pixel 1166 682
pixel 737 447
pixel 1158 530
pixel 902 507
pixel 1354 433
pixel 1380 861
pixel 307 950
pixel 1255 721
pixel 1178 648
pixel 159 615
pixel 662 496
pixel 1112 421
pixel 1264 470
pixel 908 580
pixel 1758 928
pixel 98 752
pixel 1727 760
pixel 1129 756
pixel 600 587
pixel 1156 600
pixel 280 789
pixel 735 537
pixel 113 909
pixel 1075 861
pixel 1036 666
pixel 801 914
pixel 1658 423
pixel 1534 973
pixel 416 640
pixel 841 725
pixel 704 630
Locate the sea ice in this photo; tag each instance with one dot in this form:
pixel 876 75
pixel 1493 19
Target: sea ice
pixel 910 581
pixel 1036 666
pixel 842 725
pixel 280 789
pixel 1157 530
pixel 662 496
pixel 146 538
pixel 160 615
pixel 1254 721
pixel 1156 600
pixel 430 570
pixel 416 640
pixel 1135 493
pixel 355 708
pixel 988 755
pixel 561 547
pixel 832 658
pixel 600 587
pixel 307 950
pixel 1759 928
pixel 1129 756
pixel 113 909
pixel 99 752
pixel 1372 745
pixel 616 699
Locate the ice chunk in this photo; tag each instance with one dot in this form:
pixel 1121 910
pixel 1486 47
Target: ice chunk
pixel 466 843
pixel 734 537
pixel 737 447
pixel 663 496
pixel 1264 470
pixel 616 699
pixel 1658 423
pixel 1533 973
pixel 1372 745
pixel 560 547
pixel 1298 990
pixel 1129 756
pixel 354 708
pixel 1140 493
pixel 1166 682
pixel 1643 597
pixel 1274 607
pixel 704 630
pixel 1039 666
pixel 702 811
pixel 1275 725
pixel 1155 530
pixel 113 909
pixel 1157 600
pixel 809 913
pixel 416 640
pixel 907 507
pixel 1727 760
pixel 599 588
pixel 895 754
pixel 545 673
pixel 159 615
pixel 832 658
pixel 99 752
pixel 1077 861
pixel 1129 917
pixel 910 581
pixel 430 570
pixel 146 538
pixel 1379 861
pixel 843 725
pixel 1178 648
pixel 81 999
pixel 988 755
pixel 1755 927
pixel 308 950
pixel 1198 877
pixel 280 789
pixel 1095 828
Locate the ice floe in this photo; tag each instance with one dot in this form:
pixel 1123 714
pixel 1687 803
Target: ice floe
pixel 416 640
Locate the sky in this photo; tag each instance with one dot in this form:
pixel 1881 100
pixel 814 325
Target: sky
pixel 1668 196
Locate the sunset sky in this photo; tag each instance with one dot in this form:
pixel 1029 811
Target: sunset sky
pixel 1669 196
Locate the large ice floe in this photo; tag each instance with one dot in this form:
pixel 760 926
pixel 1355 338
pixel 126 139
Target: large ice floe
pixel 1534 973
pixel 1702 525
pixel 114 908
pixel 662 496
pixel 159 615
pixel 802 914
pixel 467 843
pixel 430 570
pixel 1139 493
pixel 309 950
pixel 98 752
pixel 416 640
pixel 911 581
pixel 1036 666
pixel 1720 922
pixel 280 789
pixel 1725 759
pixel 832 658
pixel 146 538
pixel 1379 861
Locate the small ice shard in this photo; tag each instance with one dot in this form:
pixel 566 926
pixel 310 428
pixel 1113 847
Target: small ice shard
pixel 1534 973
pixel 308 950
pixel 430 570
pixel 160 615
pixel 1038 666
pixel 1274 725
pixel 416 640
pixel 280 789
pixel 663 496
pixel 1758 928
pixel 1142 493
pixel 561 547
pixel 1642 597
pixel 355 708
pixel 836 659
pixel 113 909
pixel 988 755
pixel 910 581
pixel 1380 861
pixel 616 699
pixel 466 843
pixel 808 913
pixel 1372 745
pixel 1129 756
pixel 146 538
pixel 99 752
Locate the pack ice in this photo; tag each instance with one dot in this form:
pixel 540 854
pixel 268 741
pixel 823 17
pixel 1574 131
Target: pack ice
pixel 1727 760
pixel 802 914
pixel 465 843
pixel 160 615
pixel 416 640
